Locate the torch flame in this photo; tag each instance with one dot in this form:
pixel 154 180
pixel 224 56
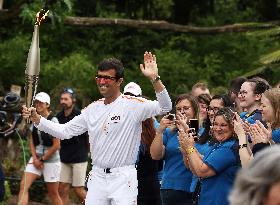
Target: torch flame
pixel 41 15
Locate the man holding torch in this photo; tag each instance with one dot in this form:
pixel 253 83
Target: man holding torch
pixel 114 127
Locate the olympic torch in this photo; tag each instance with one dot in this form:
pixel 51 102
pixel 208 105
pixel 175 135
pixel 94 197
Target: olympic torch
pixel 33 63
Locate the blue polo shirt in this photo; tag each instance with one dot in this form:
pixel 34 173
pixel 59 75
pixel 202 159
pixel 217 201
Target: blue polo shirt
pixel 253 117
pixel 175 174
pixel 224 159
pixel 202 149
pixel 276 135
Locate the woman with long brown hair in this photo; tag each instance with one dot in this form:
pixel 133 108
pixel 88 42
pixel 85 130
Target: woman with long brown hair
pixel 177 178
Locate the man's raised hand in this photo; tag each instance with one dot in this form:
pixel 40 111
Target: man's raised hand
pixel 149 68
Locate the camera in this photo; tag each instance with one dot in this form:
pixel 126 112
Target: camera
pixel 171 116
pixel 10 115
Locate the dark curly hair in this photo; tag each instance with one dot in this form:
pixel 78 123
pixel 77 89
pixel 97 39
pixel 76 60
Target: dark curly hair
pixel 112 63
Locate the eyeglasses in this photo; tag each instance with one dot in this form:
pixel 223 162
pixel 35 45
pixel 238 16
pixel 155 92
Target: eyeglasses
pixel 214 109
pixel 68 90
pixel 182 109
pixel 105 78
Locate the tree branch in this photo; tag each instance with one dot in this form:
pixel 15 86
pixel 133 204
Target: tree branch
pixel 163 25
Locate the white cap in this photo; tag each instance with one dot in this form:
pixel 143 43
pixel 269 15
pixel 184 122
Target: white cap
pixel 43 97
pixel 132 88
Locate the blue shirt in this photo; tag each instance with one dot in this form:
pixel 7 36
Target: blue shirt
pixel 176 175
pixel 253 117
pixel 276 135
pixel 223 158
pixel 202 149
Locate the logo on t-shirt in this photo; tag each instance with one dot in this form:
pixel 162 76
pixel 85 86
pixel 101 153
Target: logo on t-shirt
pixel 116 119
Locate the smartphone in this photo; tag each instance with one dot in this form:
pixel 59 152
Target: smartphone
pixel 170 116
pixel 193 124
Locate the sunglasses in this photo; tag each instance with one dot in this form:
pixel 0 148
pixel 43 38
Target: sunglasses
pixel 105 78
pixel 68 90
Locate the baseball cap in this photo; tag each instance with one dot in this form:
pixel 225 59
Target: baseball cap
pixel 43 97
pixel 132 88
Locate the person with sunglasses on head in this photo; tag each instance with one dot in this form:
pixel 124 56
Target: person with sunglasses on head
pixel 45 159
pixel 73 151
pixel 114 125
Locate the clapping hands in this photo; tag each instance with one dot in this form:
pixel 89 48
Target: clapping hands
pixel 260 134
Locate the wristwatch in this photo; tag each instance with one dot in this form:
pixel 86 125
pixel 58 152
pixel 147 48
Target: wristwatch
pixel 156 79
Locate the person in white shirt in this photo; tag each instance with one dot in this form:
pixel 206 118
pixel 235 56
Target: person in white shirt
pixel 114 125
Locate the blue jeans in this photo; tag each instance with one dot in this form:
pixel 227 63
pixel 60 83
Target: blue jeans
pixel 172 197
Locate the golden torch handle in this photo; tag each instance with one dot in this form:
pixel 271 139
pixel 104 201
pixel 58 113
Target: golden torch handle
pixel 33 62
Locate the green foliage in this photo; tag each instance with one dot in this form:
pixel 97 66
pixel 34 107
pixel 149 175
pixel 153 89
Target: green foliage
pixel 271 58
pixel 8 193
pixel 225 12
pixel 57 10
pixel 13 58
pixel 74 70
pixel 69 54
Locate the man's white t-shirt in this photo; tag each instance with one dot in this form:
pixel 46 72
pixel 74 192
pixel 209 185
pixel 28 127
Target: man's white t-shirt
pixel 114 129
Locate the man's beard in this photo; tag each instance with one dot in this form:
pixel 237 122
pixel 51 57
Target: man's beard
pixel 66 107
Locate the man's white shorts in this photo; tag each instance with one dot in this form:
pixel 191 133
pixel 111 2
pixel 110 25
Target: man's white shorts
pixel 116 188
pixel 74 173
pixel 51 171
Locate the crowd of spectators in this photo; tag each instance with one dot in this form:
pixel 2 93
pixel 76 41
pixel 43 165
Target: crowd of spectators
pixel 231 158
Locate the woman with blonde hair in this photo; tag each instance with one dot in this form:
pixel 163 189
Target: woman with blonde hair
pixel 261 136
